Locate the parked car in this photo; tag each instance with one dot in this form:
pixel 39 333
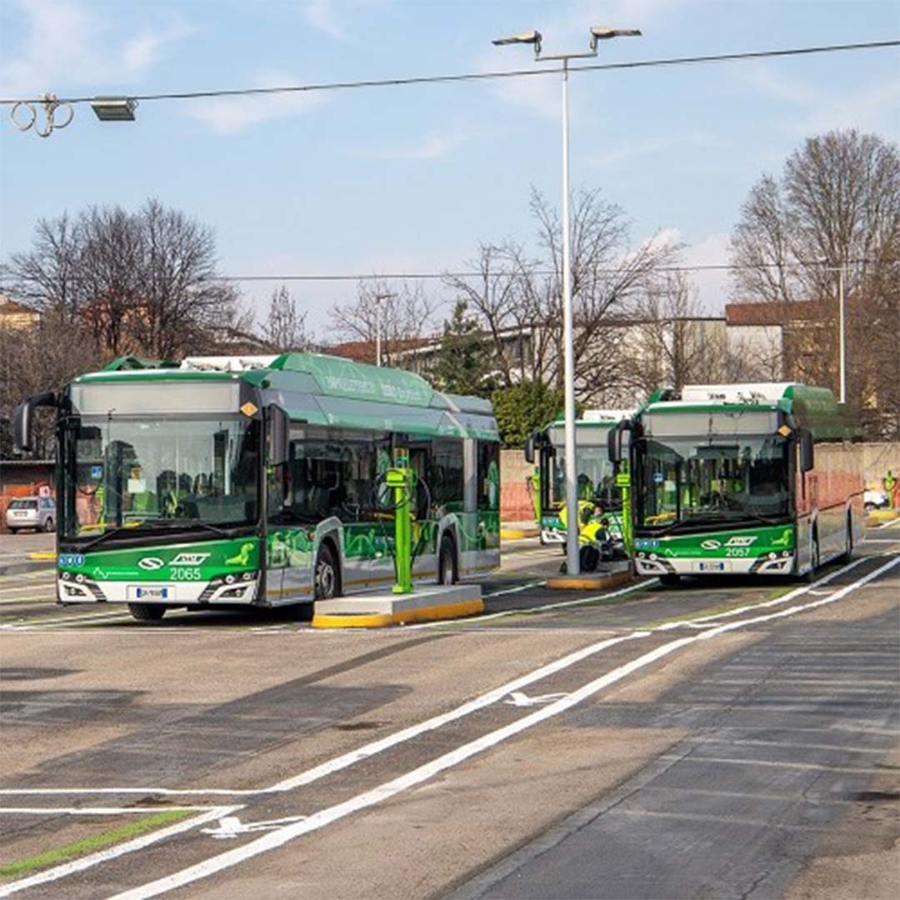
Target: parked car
pixel 875 500
pixel 38 513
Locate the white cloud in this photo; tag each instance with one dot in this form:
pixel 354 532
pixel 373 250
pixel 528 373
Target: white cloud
pixel 713 284
pixel 229 115
pixel 432 146
pixel 66 44
pixel 321 15
pixel 650 147
pixel 867 108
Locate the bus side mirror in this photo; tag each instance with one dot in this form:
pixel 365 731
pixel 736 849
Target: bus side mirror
pixel 807 456
pixel 278 429
pixel 23 420
pixel 529 450
pixel 614 441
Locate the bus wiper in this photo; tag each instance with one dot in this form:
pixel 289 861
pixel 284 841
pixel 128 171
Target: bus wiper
pixel 110 532
pixel 192 522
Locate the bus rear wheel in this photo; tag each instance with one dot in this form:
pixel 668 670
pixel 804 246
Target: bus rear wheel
pixel 146 612
pixel 327 584
pixel 447 573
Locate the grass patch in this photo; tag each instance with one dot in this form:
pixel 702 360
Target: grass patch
pixel 95 842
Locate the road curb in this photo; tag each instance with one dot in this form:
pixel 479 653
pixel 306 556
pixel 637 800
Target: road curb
pixel 401 617
pixel 518 534
pixel 23 567
pixel 591 581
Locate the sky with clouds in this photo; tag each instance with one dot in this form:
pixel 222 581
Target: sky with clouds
pixel 412 178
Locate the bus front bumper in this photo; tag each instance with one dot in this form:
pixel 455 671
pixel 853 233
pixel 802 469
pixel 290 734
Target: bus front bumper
pixel 774 563
pixel 239 590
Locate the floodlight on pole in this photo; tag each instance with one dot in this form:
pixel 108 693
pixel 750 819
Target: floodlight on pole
pixel 114 109
pixel 573 565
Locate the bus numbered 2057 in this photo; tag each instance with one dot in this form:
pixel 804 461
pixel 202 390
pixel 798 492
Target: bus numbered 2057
pixel 752 478
pixel 259 481
pixel 595 473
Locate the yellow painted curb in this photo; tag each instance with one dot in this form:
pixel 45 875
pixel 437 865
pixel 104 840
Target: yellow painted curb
pixel 42 554
pixel 510 534
pixel 403 617
pixel 588 583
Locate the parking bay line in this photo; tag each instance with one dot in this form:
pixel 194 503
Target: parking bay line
pixel 281 836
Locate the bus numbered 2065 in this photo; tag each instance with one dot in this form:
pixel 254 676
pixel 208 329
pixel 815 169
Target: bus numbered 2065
pixel 259 481
pixel 742 478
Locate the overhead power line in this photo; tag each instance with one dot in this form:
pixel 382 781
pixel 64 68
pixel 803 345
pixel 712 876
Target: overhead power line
pixel 482 76
pixel 428 276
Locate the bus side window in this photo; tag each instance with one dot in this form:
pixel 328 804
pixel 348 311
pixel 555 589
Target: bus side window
pixel 488 476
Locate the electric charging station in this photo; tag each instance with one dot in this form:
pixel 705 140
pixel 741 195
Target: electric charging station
pixel 401 479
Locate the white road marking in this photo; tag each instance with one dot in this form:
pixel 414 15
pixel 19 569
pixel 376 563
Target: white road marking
pixel 424 773
pixel 517 698
pixel 231 827
pixel 96 810
pixel 739 610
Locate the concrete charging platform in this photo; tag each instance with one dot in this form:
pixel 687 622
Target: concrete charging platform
pixel 377 610
pixel 590 581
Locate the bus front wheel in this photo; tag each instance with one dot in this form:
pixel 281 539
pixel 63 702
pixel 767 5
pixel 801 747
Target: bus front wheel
pixel 146 612
pixel 670 579
pixel 326 575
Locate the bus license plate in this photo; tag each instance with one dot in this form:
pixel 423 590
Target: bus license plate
pixel 713 565
pixel 157 592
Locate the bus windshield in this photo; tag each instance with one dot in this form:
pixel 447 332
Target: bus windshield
pixel 153 474
pixel 596 478
pixel 695 479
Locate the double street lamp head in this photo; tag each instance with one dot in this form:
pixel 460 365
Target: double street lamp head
pixel 597 34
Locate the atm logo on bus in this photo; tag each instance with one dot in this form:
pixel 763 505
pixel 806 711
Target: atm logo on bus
pixel 189 559
pixel 713 544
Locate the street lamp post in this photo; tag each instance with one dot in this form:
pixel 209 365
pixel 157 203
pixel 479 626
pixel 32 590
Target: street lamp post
pixel 378 299
pixel 573 566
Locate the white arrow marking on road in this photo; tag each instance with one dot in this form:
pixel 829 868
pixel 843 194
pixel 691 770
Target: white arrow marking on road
pixel 231 827
pixel 517 698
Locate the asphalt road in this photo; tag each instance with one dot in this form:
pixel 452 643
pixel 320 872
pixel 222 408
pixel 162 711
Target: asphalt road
pixel 724 739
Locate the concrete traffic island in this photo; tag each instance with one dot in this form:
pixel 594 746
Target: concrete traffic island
pixel 589 581
pixel 384 608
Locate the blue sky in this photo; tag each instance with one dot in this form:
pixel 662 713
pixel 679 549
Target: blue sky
pixel 412 178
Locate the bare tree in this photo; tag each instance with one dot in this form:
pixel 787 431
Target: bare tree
pixel 142 283
pixel 670 341
pixel 38 359
pixel 835 209
pixel 285 326
pixel 400 316
pixel 519 298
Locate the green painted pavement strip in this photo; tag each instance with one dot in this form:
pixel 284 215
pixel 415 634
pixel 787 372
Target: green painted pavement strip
pixel 96 842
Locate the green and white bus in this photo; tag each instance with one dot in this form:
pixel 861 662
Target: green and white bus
pixel 595 474
pixel 241 482
pixel 742 478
